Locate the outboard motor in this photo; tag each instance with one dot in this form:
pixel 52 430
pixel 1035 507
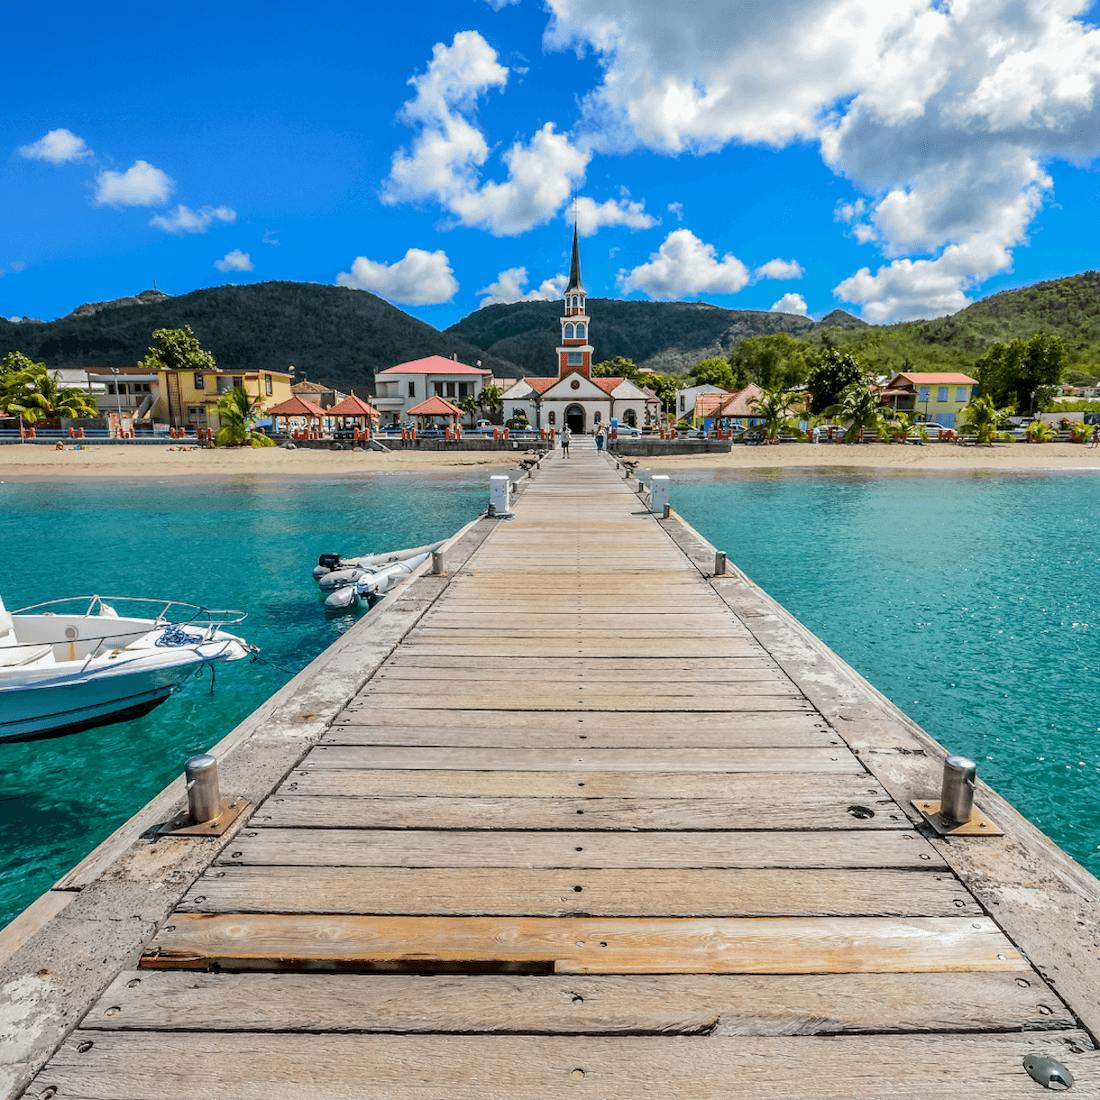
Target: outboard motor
pixel 326 563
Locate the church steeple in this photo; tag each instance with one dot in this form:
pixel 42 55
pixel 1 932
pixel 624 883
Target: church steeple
pixel 575 353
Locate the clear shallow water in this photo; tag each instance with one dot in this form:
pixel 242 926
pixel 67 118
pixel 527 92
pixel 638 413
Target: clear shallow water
pixel 972 602
pixel 247 544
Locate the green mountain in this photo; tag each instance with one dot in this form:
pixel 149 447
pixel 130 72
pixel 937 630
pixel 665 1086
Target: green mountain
pixel 1069 307
pixel 330 333
pixel 668 336
pixel 343 336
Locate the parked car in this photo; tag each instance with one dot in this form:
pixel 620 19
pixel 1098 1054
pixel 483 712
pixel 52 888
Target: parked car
pixel 625 431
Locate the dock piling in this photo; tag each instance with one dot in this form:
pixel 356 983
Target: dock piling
pixel 204 799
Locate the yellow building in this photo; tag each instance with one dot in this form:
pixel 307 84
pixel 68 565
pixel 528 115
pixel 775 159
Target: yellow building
pixel 183 398
pixel 930 396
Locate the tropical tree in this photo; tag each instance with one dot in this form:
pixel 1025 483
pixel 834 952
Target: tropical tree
pixel 717 371
pixel 619 367
pixel 16 361
pixel 983 419
pixel 490 400
pixel 468 405
pixel 1023 373
pixel 34 394
pixel 831 372
pixel 237 414
pixel 1039 432
pixel 774 360
pixel 177 349
pixel 773 409
pixel 895 426
pixel 859 408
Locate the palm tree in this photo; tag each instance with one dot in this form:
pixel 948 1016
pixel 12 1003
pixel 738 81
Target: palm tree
pixel 773 409
pixel 1039 432
pixel 982 418
pixel 34 394
pixel 468 405
pixel 490 400
pixel 859 407
pixel 237 413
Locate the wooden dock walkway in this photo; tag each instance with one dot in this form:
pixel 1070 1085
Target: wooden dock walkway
pixel 583 834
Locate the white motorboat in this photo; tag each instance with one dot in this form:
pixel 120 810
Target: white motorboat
pixel 73 663
pixel 370 584
pixel 334 571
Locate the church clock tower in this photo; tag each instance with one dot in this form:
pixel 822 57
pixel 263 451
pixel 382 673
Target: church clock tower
pixel 575 352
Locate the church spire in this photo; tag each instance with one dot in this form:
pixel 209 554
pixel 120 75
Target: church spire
pixel 575 285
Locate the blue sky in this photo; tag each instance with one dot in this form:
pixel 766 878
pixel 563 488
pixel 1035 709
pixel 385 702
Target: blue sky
pixel 899 166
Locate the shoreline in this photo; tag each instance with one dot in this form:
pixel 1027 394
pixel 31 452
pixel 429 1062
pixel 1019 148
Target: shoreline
pixel 46 464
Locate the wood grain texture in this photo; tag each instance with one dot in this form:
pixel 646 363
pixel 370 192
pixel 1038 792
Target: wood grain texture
pixel 502 848
pixel 830 760
pixel 514 891
pixel 707 1004
pixel 590 945
pixel 809 809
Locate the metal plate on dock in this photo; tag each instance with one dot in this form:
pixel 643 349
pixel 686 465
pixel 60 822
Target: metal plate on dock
pixel 978 825
pixel 181 824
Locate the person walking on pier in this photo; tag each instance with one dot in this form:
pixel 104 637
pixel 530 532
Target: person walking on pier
pixel 565 436
pixel 599 440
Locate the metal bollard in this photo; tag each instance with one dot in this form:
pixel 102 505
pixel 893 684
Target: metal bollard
pixel 204 799
pixel 720 561
pixel 437 562
pixel 667 513
pixel 957 793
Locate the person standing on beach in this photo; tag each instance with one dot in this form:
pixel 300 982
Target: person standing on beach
pixel 1095 438
pixel 565 436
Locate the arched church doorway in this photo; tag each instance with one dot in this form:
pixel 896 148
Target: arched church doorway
pixel 574 419
pixel 630 418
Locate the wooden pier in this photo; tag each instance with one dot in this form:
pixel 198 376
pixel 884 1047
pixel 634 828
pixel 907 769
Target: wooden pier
pixel 596 824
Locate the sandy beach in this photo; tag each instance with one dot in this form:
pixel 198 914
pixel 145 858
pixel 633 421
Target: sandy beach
pixel 149 461
pixel 894 457
pixel 156 461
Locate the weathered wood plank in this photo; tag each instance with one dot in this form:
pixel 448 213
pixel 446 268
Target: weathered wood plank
pixel 460 699
pixel 795 787
pixel 129 1065
pixel 828 760
pixel 706 1004
pixel 710 735
pixel 501 848
pixel 596 945
pixel 808 809
pixel 516 891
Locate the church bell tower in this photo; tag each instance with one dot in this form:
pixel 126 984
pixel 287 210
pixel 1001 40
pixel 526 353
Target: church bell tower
pixel 575 352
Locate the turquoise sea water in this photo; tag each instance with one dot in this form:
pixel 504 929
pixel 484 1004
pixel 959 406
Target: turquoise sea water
pixel 971 601
pixel 247 544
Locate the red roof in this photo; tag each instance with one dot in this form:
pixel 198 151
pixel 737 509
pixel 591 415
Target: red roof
pixel 295 406
pixel 609 385
pixel 937 379
pixel 354 406
pixel 539 385
pixel 433 364
pixel 435 406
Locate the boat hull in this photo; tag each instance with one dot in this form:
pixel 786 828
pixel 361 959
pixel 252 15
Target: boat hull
pixel 68 707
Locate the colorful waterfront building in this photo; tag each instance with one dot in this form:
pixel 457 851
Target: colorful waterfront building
pixel 400 388
pixel 183 398
pixel 939 397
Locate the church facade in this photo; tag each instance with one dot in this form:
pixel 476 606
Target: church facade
pixel 573 398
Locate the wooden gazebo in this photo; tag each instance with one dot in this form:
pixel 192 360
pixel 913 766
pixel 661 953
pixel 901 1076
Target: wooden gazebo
pixel 354 408
pixel 434 408
pixel 297 408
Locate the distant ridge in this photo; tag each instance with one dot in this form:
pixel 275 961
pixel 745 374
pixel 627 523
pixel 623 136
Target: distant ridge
pixel 342 336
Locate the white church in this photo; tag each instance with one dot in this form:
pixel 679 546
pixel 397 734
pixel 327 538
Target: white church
pixel 573 398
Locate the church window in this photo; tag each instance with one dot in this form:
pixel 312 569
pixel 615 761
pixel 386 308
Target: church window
pixel 580 332
pixel 574 358
pixel 599 416
pixel 412 389
pixel 553 418
pixel 568 332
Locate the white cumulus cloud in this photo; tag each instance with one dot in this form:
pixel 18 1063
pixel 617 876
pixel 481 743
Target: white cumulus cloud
pixel 419 278
pixel 59 146
pixel 684 267
pixel 511 286
pixel 676 209
pixel 234 260
pixel 141 184
pixel 183 219
pixel 779 269
pixel 444 162
pixel 944 116
pixel 593 216
pixel 790 303
pixel 500 5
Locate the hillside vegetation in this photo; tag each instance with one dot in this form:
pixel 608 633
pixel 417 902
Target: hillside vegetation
pixel 343 336
pixel 329 333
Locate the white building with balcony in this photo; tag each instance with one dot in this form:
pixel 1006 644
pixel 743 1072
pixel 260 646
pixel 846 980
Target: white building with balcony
pixel 401 387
